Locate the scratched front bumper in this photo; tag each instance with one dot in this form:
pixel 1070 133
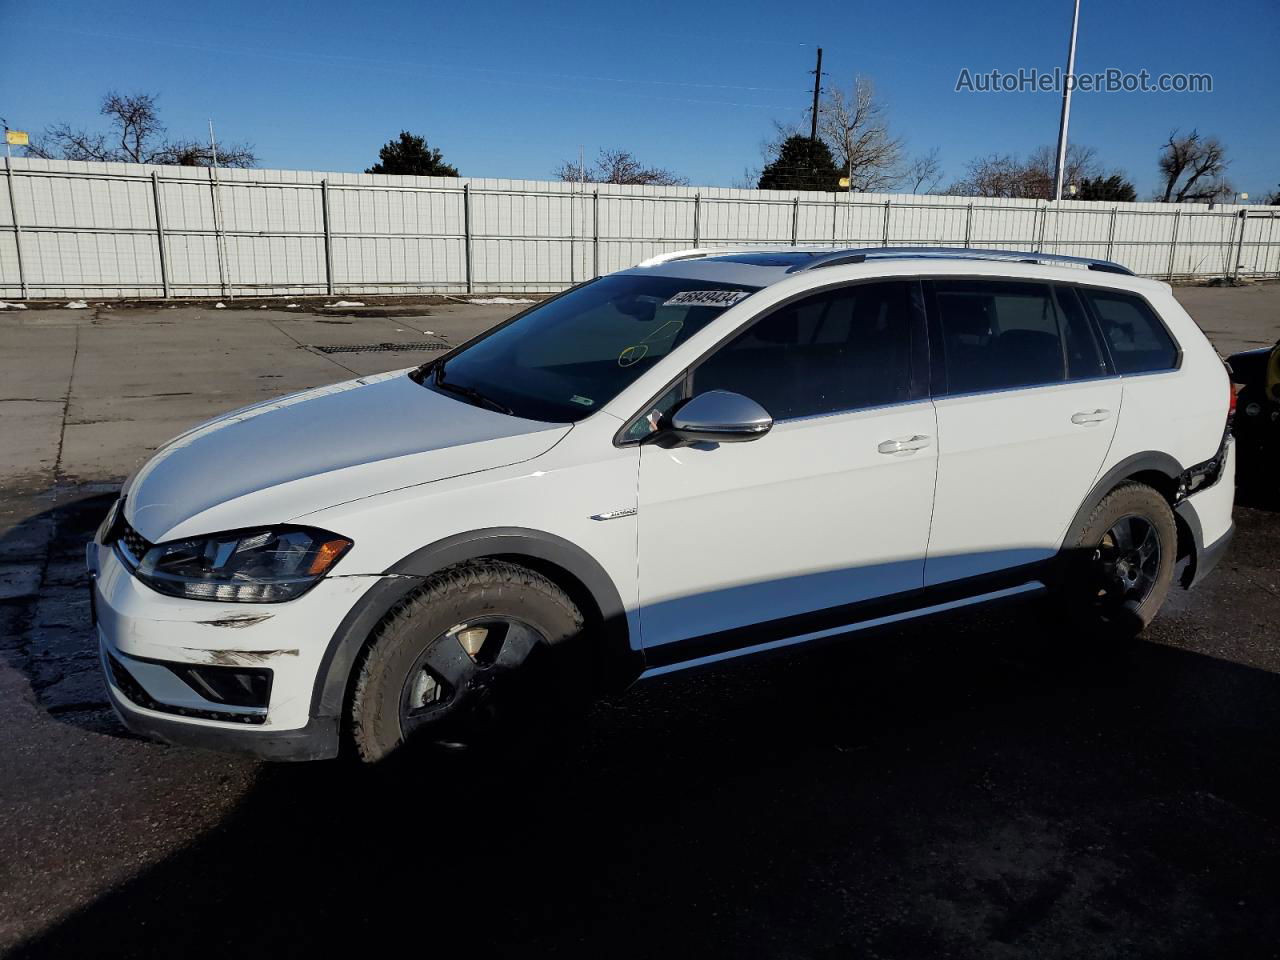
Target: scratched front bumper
pixel 146 630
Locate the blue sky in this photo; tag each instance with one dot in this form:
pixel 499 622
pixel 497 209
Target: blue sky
pixel 511 89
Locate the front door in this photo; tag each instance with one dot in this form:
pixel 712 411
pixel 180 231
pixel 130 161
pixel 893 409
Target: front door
pixel 748 543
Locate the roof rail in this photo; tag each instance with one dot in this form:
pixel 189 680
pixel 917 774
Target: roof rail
pixel 690 254
pixel 694 253
pixel 862 254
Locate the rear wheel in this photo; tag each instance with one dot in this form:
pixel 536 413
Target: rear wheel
pixel 456 661
pixel 1120 568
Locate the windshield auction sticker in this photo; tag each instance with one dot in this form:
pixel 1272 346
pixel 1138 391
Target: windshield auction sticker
pixel 707 298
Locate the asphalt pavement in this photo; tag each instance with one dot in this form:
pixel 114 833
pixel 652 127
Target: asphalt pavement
pixel 978 786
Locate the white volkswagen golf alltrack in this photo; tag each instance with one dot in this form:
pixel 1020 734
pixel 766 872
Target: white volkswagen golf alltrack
pixel 714 453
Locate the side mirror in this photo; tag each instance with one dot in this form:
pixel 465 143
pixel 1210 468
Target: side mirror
pixel 719 416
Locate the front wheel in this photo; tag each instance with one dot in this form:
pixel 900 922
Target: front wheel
pixel 1119 570
pixel 455 661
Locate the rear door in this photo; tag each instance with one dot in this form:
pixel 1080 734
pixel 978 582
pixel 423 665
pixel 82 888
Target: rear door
pixel 1027 408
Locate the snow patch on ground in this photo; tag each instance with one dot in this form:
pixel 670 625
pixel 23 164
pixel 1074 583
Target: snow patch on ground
pixel 345 303
pixel 6 305
pixel 219 305
pixel 291 306
pixel 77 305
pixel 493 301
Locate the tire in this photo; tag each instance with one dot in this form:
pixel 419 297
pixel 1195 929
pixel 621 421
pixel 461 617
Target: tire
pixel 1102 593
pixel 418 680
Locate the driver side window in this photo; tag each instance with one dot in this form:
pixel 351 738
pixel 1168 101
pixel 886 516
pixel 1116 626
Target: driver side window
pixel 839 350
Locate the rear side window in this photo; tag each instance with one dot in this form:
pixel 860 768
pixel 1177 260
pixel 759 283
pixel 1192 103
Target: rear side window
pixel 1138 341
pixel 842 349
pixel 1003 334
pixel 1084 357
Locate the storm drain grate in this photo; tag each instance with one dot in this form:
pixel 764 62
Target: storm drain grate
pixel 403 347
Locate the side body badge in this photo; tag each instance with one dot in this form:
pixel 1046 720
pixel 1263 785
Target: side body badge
pixel 614 514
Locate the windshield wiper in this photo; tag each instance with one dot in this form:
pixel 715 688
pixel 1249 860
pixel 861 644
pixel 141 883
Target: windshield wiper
pixel 420 373
pixel 470 394
pixel 473 395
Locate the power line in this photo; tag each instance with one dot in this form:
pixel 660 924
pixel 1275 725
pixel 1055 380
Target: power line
pixel 384 65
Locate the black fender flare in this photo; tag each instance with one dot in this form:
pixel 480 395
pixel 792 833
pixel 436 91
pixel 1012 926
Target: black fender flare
pixel 407 575
pixel 1146 462
pixel 1149 461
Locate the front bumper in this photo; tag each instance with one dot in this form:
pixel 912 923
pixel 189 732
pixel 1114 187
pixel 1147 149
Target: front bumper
pixel 154 640
pixel 318 740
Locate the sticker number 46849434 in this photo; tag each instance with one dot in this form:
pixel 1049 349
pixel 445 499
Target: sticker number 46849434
pixel 707 298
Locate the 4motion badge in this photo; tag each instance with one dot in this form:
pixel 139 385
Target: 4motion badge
pixel 614 514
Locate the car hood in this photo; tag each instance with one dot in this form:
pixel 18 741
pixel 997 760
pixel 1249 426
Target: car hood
pixel 274 461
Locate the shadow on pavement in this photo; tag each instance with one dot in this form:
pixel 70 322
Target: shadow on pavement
pixel 48 623
pixel 963 788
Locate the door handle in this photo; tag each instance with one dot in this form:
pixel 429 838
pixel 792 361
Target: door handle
pixel 1091 416
pixel 904 445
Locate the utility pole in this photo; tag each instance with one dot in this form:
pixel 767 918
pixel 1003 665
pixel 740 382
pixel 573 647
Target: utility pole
pixel 817 90
pixel 1068 82
pixel 218 233
pixel 575 209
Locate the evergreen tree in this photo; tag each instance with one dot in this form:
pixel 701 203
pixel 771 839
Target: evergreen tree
pixel 1114 187
pixel 410 156
pixel 801 164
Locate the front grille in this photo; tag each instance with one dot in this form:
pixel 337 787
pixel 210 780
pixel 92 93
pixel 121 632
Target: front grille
pixel 130 545
pixel 136 543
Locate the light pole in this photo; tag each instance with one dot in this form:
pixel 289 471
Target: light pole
pixel 1067 83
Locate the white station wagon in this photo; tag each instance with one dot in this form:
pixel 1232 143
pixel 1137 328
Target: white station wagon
pixel 714 453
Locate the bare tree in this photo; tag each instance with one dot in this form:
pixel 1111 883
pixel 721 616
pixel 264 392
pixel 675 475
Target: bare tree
pixel 1192 168
pixel 618 166
pixel 137 122
pixel 856 128
pixel 193 153
pixel 995 175
pixel 1082 162
pixel 922 173
pixel 1006 175
pixel 136 136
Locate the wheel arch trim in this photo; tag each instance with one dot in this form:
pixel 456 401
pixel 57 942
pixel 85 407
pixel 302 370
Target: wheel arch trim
pixel 1149 461
pixel 407 575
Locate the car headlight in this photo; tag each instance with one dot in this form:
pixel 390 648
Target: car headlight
pixel 265 565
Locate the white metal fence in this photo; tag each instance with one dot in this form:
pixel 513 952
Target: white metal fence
pixel 70 229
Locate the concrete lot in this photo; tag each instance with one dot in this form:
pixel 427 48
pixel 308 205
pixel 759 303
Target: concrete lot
pixel 970 788
pixel 88 393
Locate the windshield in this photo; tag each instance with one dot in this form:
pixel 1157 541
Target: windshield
pixel 567 358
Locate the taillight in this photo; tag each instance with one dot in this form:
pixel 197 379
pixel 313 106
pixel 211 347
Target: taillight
pixel 1231 402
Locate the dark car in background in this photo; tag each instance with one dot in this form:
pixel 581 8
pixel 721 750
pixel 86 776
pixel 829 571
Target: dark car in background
pixel 1256 374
